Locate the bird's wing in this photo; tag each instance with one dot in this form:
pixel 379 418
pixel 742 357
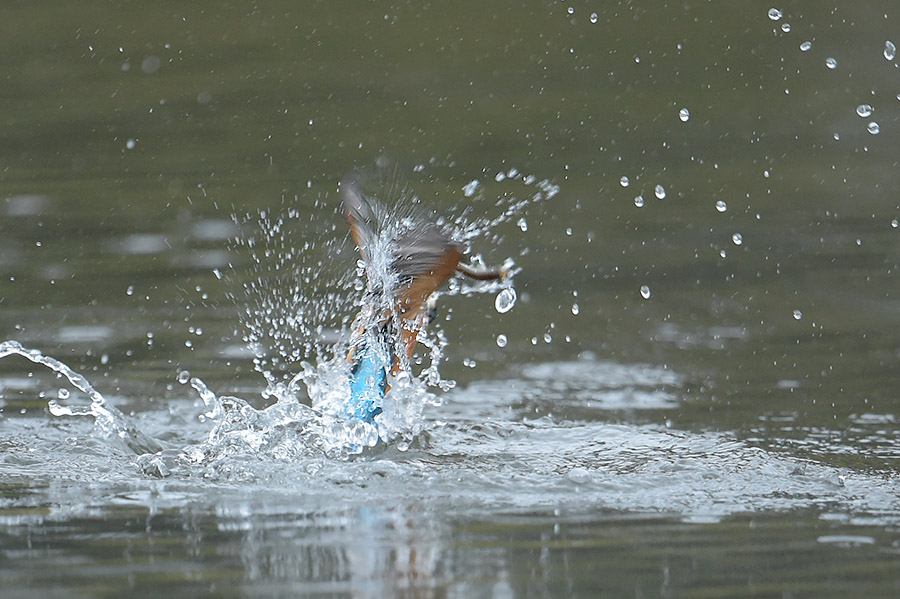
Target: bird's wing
pixel 358 212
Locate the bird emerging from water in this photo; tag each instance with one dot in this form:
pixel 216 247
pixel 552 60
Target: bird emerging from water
pixel 398 307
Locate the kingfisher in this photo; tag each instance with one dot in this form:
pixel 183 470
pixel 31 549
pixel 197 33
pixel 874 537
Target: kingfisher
pixel 398 307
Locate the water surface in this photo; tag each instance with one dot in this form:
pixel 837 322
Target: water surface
pixel 695 393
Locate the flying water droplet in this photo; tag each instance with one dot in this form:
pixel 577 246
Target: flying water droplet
pixel 737 239
pixel 501 340
pixel 63 393
pixel 774 14
pixel 645 292
pixel 805 46
pixel 660 192
pixel 594 17
pixel 183 377
pixel 579 476
pixel 798 314
pixel 873 128
pixel 470 188
pixel 831 63
pixel 505 300
pixel 721 206
pixel 624 181
pixel 523 224
pixel 864 110
pixel 639 201
pixel 895 223
pixel 575 309
pixel 684 114
pixel 890 50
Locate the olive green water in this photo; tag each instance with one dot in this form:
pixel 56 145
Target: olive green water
pixel 768 343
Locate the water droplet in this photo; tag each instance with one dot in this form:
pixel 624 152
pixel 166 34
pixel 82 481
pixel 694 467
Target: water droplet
pixel 183 377
pixel 864 110
pixel 505 300
pixel 130 144
pixel 645 292
pixel 501 340
pixel 579 476
pixel 798 314
pixel 786 27
pixel 575 309
pixel 469 363
pixel 624 181
pixel 639 201
pixel 895 223
pixel 805 46
pixel 684 114
pixel 831 63
pixel 721 206
pixel 890 50
pixel 547 338
pixel 873 128
pixel 62 393
pixel 470 188
pixel 774 14
pixel 130 290
pixel 737 238
pixel 722 253
pixel 660 192
pixel 150 65
pixel 523 224
pixel 499 177
pixel 594 17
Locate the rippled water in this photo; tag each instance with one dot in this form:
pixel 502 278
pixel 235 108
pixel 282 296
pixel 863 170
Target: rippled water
pixel 691 393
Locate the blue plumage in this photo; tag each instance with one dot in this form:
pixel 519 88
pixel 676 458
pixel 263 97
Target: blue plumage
pixel 368 382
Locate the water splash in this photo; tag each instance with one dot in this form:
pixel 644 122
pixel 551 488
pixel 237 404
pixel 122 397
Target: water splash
pixel 110 421
pixel 296 299
pixel 295 295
